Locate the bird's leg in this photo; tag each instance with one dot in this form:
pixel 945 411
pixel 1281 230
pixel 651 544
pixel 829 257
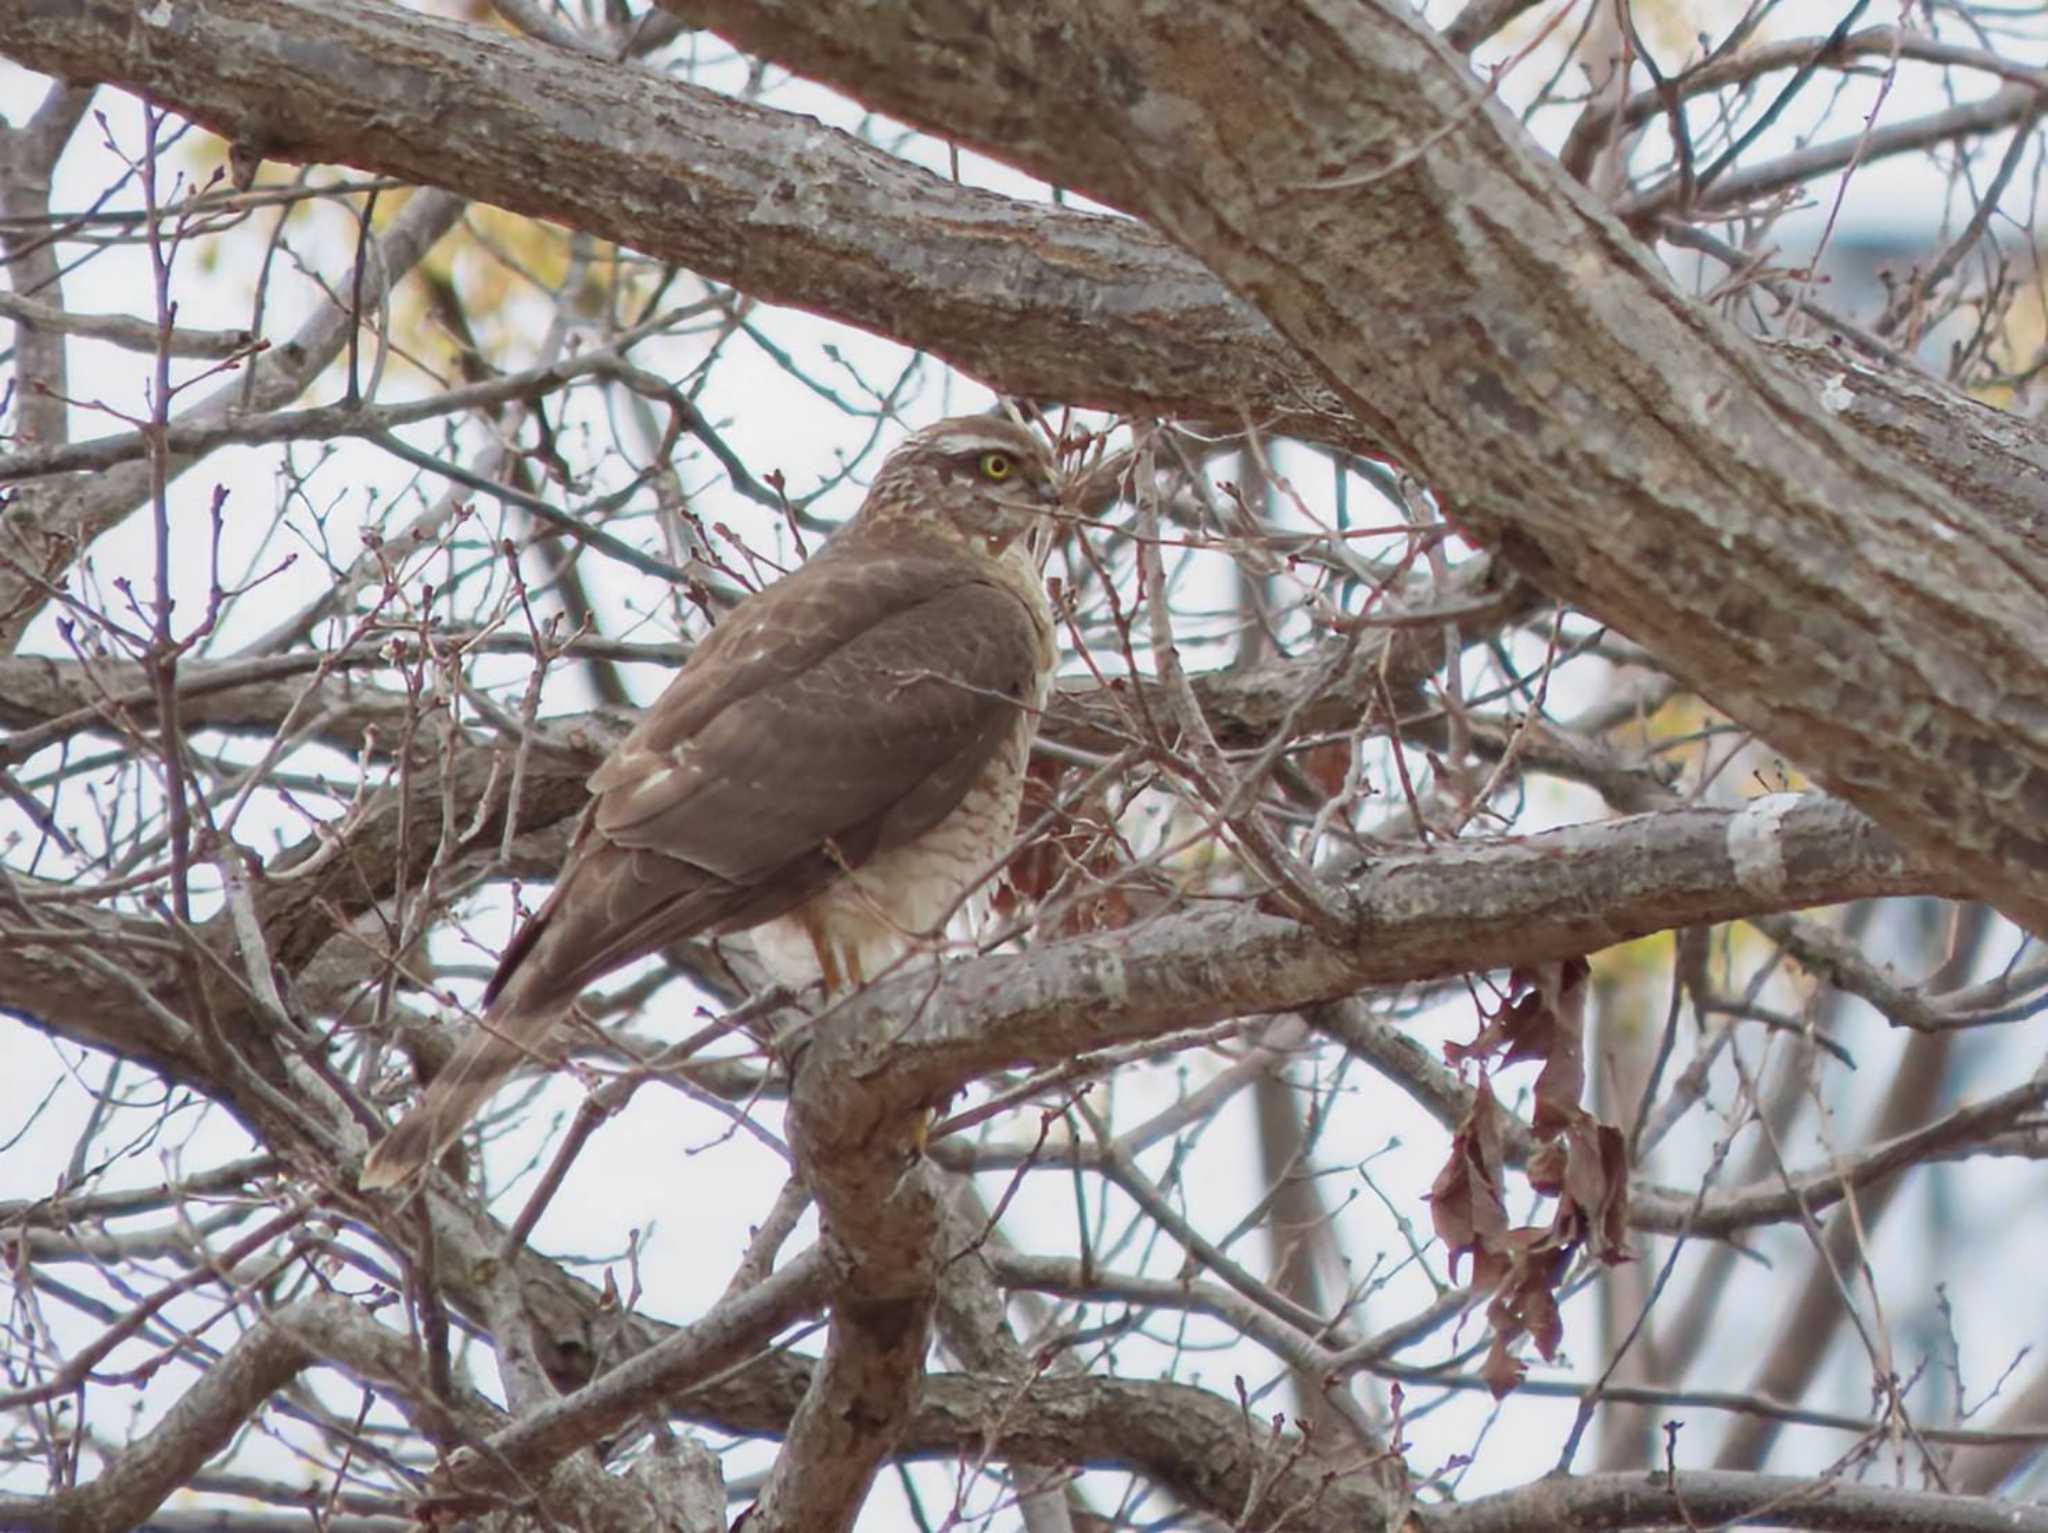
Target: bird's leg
pixel 821 949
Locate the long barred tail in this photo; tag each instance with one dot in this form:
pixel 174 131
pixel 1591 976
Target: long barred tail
pixel 520 1005
pixel 500 1044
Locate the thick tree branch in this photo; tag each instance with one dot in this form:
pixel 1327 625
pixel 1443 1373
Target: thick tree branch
pixel 1418 915
pixel 1038 300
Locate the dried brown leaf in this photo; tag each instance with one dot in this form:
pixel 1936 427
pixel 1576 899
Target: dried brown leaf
pixel 1582 1162
pixel 1465 1203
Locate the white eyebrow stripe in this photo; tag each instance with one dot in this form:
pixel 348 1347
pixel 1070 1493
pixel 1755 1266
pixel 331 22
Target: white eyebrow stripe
pixel 971 440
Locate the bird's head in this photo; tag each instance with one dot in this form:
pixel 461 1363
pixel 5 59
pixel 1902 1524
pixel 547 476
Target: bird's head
pixel 977 480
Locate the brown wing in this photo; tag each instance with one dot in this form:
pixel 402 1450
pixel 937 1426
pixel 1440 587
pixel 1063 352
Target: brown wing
pixel 807 741
pixel 834 716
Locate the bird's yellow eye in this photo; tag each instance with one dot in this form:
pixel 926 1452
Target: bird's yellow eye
pixel 997 465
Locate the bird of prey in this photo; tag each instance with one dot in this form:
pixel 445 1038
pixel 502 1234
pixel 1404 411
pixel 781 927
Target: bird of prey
pixel 834 767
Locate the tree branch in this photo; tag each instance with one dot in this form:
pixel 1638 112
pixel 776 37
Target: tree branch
pixel 1592 1503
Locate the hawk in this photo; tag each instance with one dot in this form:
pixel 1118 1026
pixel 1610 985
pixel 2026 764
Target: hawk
pixel 834 767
